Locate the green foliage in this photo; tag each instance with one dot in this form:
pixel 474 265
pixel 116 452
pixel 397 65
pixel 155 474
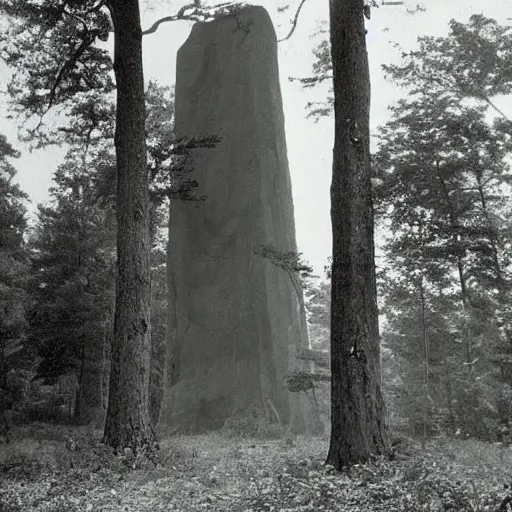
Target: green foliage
pixel 473 61
pixel 20 466
pixel 14 300
pixel 52 50
pixel 57 58
pixel 442 188
pixel 74 250
pixel 291 261
pixel 302 380
pixel 71 469
pixel 52 411
pixel 158 324
pixel 315 380
pixel 74 241
pixel 73 275
pixel 322 74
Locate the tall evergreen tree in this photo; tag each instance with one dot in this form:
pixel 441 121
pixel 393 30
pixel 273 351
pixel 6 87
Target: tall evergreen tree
pixel 70 64
pixel 358 429
pixel 472 62
pixel 442 184
pixel 52 49
pixel 84 199
pixel 14 265
pixel 72 286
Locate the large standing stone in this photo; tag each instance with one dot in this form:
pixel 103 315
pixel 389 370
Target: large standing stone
pixel 235 317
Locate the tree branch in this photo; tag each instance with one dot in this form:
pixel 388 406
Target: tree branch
pixel 157 23
pixel 197 14
pixel 310 81
pixel 492 105
pixel 74 16
pixel 88 39
pixel 294 22
pixel 459 89
pixel 320 358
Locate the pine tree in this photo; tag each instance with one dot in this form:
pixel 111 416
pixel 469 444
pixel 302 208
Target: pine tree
pixel 73 284
pixel 62 61
pixel 85 189
pixel 441 188
pixel 14 265
pixel 357 419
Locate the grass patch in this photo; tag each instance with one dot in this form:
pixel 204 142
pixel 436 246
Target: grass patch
pixel 42 471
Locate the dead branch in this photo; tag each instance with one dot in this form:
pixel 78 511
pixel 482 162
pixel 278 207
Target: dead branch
pixel 294 22
pixel 197 13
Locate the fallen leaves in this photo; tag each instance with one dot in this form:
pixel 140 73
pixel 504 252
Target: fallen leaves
pixel 218 474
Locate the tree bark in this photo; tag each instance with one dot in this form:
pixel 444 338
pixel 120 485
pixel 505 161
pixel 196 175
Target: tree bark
pixel 358 428
pixel 78 412
pixel 128 422
pixel 449 396
pixel 426 395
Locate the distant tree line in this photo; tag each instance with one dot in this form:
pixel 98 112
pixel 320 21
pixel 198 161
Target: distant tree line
pixel 441 186
pixel 63 294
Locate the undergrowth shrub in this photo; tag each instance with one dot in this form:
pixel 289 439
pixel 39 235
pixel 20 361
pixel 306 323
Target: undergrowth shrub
pixel 250 423
pixel 21 466
pixel 86 454
pixel 380 487
pixel 40 431
pixel 175 456
pixel 216 473
pixel 46 411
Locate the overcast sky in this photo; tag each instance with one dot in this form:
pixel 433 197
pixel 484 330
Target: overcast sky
pixel 309 143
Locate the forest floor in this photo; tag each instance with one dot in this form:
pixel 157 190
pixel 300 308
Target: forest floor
pixel 40 470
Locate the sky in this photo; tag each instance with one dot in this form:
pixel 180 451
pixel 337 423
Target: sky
pixel 391 30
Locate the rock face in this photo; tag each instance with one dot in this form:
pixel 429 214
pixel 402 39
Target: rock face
pixel 235 318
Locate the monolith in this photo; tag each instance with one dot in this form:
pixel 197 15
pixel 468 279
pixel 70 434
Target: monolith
pixel 235 316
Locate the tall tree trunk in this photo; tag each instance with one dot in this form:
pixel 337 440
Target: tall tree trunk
pixel 128 422
pixel 455 226
pixel 426 393
pixel 105 360
pixel 3 360
pixel 496 247
pixel 493 235
pixel 79 405
pixel 5 399
pixel 449 396
pixel 358 428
